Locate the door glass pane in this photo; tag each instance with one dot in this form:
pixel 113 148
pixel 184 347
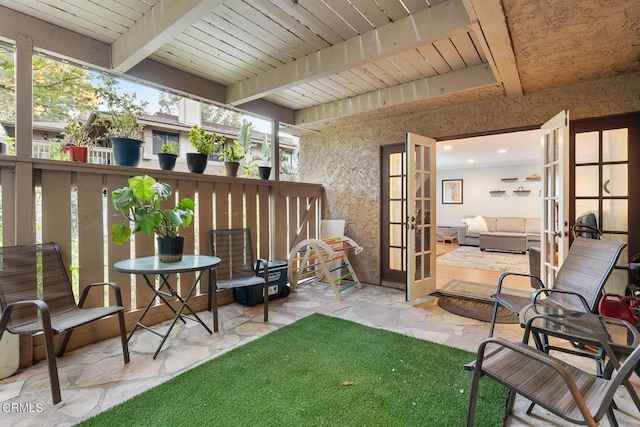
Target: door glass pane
pixel 395 188
pixel 587 147
pixel 623 261
pixel 395 235
pixel 395 164
pixel 586 206
pixel 587 181
pixel 551 181
pixel 614 215
pixel 614 145
pixel 395 211
pixel 614 180
pixel 395 258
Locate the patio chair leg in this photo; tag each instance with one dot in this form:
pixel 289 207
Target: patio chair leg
pixel 266 300
pixel 64 343
pixel 123 337
pixel 53 367
pixel 493 318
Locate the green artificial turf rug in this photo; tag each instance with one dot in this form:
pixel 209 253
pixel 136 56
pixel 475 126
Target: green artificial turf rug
pixel 319 370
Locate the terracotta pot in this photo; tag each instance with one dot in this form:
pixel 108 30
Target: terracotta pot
pixel 78 154
pixel 232 168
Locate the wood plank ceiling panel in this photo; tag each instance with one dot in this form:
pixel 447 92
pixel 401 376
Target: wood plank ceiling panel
pixel 311 21
pixel 280 99
pixel 450 54
pixel 315 93
pixel 478 45
pixel 350 15
pixel 435 59
pixel 391 69
pixel 247 40
pixel 337 84
pixel 393 9
pixel 424 68
pixel 359 81
pixel 467 50
pixel 260 20
pixel 289 22
pixel 405 66
pixel 372 12
pixel 323 13
pixel 252 55
pixel 415 6
pixel 379 77
pixel 238 22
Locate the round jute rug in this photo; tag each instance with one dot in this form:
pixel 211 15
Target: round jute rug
pixel 479 310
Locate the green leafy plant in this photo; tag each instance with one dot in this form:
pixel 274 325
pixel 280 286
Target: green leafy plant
pixel 266 151
pixel 140 203
pixel 234 152
pixel 76 135
pixel 171 148
pixel 203 142
pixel 124 111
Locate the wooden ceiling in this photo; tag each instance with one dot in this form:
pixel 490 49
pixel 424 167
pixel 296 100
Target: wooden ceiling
pixel 310 62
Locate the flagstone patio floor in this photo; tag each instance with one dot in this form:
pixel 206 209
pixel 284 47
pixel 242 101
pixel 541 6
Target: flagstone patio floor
pixel 94 377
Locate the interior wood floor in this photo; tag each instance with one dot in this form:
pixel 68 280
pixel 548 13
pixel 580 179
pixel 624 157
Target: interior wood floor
pixel 445 273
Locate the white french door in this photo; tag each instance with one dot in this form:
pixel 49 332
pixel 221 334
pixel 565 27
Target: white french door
pixel 421 216
pixel 555 196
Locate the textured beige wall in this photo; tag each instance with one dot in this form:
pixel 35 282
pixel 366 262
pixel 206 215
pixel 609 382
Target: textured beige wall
pixel 346 159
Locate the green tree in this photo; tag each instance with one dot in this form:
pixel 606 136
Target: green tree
pixel 210 113
pixel 61 92
pixel 168 103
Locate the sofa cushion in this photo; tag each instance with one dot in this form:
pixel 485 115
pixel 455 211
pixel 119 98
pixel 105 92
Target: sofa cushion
pixel 510 224
pixel 475 224
pixel 532 225
pixel 491 223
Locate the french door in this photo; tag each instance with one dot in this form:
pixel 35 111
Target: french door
pixel 555 196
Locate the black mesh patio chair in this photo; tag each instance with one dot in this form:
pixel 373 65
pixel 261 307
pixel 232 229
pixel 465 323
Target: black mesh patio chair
pixel 36 296
pixel 238 267
pixel 578 285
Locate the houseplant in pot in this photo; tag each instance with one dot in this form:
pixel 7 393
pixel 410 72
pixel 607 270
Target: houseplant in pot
pixel 205 144
pixel 264 171
pixel 77 142
pixel 121 120
pixel 232 156
pixel 167 159
pixel 140 203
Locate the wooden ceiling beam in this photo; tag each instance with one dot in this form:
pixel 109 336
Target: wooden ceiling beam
pixel 430 87
pixel 429 25
pixel 160 25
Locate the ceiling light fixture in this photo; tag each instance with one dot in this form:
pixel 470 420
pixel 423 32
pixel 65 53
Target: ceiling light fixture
pixel 502 151
pixel 447 147
pixel 470 161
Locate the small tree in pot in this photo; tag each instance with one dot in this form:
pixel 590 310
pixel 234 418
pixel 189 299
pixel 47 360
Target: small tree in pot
pixel 77 141
pixel 205 144
pixel 140 203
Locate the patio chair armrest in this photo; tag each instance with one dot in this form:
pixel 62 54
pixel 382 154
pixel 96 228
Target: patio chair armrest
pixel 40 305
pixel 116 289
pixel 534 296
pixel 597 337
pixel 505 275
pixel 265 267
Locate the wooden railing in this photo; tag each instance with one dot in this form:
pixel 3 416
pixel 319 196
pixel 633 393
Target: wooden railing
pixel 71 207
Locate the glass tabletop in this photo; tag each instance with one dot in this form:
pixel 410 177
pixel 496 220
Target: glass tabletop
pixel 152 264
pixel 620 335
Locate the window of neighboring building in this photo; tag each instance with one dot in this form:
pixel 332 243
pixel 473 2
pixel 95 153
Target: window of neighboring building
pixel 164 138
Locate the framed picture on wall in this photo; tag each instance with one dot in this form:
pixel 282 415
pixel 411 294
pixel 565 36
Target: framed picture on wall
pixel 452 191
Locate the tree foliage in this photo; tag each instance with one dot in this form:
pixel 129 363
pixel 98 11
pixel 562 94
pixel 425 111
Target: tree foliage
pixel 210 113
pixel 61 92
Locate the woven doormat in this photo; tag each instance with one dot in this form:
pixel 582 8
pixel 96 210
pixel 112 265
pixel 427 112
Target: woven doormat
pixel 478 310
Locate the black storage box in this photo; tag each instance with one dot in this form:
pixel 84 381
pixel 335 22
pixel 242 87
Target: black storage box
pixel 278 287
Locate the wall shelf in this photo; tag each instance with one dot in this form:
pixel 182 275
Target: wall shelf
pixel 496 191
pixel 509 179
pixel 522 191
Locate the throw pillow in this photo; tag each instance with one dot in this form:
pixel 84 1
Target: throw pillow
pixel 476 224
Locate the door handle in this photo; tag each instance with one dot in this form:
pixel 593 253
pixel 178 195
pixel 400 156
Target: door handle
pixel 411 222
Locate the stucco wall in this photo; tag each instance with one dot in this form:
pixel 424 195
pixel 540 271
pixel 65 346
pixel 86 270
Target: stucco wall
pixel 346 159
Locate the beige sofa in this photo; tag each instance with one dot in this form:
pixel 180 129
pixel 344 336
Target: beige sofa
pixel 502 233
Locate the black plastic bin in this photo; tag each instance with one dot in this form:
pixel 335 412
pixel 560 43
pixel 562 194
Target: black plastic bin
pixel 278 287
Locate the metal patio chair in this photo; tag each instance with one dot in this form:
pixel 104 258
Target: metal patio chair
pixel 569 392
pixel 238 267
pixel 36 296
pixel 578 284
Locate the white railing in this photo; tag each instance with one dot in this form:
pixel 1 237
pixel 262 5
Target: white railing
pixel 50 150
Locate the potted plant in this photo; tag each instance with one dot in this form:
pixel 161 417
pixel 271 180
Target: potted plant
pixel 169 155
pixel 140 203
pixel 124 130
pixel 265 170
pixel 232 156
pixel 77 142
pixel 205 144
